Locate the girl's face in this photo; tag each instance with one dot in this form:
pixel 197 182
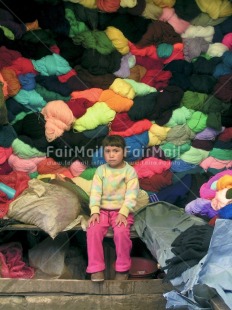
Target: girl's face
pixel 114 156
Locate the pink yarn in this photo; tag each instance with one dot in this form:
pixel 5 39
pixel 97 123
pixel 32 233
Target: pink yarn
pixel 215 163
pixel 24 165
pixel 177 23
pixel 12 264
pixel 150 166
pixel 5 154
pixel 206 191
pixel 77 168
pixel 59 118
pixel 227 40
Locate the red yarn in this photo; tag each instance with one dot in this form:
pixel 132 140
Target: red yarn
pixel 50 166
pixel 108 6
pixel 17 180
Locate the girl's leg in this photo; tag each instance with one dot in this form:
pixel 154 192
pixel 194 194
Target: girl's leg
pixel 95 235
pixel 123 243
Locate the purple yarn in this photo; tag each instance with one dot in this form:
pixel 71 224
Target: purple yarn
pixel 208 134
pixel 201 207
pixel 226 212
pixel 124 70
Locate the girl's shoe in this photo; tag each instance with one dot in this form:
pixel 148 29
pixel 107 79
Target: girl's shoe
pixel 97 276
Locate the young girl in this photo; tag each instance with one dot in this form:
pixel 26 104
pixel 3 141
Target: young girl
pixel 113 196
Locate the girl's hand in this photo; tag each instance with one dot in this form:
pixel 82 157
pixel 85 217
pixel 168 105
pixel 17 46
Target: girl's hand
pixel 94 218
pixel 121 219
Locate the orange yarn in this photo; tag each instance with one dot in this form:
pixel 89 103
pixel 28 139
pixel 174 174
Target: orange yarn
pixel 91 95
pixel 59 118
pixel 115 101
pixel 137 73
pixel 13 85
pixel 224 182
pixel 4 87
pixel 108 6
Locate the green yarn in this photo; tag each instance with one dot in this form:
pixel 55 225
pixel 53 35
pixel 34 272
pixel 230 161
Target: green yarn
pixel 33 175
pixel 194 156
pixel 174 151
pixel 198 121
pixel 179 117
pixel 88 173
pixel 75 25
pixel 193 100
pixel 30 99
pixel 40 35
pixel 51 65
pixel 164 50
pixel 24 150
pixel 222 154
pixel 7 33
pixel 19 117
pixel 140 88
pixel 49 95
pixel 97 40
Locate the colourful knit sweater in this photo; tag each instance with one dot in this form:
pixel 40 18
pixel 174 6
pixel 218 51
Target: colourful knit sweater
pixel 114 189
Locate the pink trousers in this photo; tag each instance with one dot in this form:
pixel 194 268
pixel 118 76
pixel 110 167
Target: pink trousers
pixel 122 241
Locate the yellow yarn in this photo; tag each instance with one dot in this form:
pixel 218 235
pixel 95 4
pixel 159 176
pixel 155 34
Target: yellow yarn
pixel 216 8
pixel 91 4
pixel 121 87
pixel 118 39
pixel 164 3
pixel 157 134
pixel 224 182
pixel 128 3
pixel 98 114
pixel 152 11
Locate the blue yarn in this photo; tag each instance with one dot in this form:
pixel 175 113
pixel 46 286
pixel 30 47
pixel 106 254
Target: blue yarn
pixel 226 212
pixel 179 165
pixel 27 81
pixel 7 135
pixel 221 69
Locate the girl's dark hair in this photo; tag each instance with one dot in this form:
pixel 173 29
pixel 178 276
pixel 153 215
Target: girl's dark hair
pixel 114 140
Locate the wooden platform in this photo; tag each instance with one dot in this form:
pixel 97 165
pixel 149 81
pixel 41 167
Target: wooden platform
pixel 82 294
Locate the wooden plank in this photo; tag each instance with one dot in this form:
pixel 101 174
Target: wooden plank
pixel 108 287
pixel 29 227
pixel 86 302
pixel 218 304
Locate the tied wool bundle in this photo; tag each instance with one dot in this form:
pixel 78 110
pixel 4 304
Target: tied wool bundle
pixel 12 81
pixel 97 40
pixel 58 117
pixel 169 16
pixel 77 168
pixel 7 135
pixel 3 109
pixel 217 49
pixel 224 182
pixel 119 41
pixel 199 31
pixel 108 6
pixel 50 166
pixel 149 10
pixel 227 40
pixel 24 165
pixel 164 3
pixel 3 85
pixel 5 154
